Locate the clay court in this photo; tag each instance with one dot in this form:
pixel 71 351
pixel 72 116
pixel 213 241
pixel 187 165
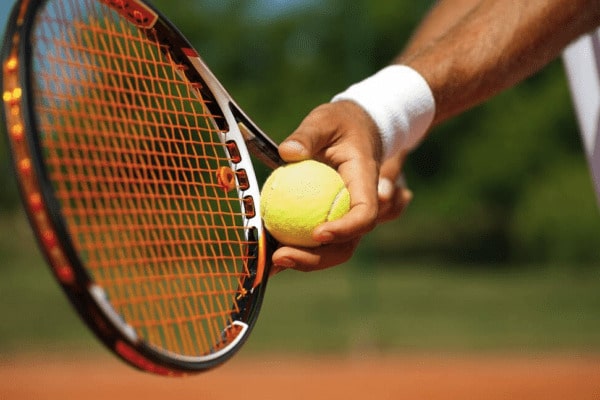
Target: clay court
pixel 273 377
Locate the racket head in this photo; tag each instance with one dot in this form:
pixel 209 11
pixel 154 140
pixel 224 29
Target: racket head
pixel 133 169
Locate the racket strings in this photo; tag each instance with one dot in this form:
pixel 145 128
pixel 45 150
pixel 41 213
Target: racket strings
pixel 132 153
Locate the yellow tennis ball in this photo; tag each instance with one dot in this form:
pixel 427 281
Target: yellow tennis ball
pixel 298 197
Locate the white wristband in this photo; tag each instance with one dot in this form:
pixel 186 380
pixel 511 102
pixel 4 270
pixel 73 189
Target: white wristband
pixel 400 102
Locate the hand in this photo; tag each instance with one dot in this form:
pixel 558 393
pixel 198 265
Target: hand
pixel 343 136
pixel 394 196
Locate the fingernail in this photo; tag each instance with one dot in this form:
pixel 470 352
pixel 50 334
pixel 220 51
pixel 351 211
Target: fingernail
pixel 324 237
pixel 294 145
pixel 293 149
pixel 385 189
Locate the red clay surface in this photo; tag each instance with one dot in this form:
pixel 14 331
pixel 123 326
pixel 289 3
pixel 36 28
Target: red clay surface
pixel 373 378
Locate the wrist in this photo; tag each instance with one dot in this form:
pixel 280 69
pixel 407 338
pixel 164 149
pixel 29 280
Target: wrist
pixel 399 101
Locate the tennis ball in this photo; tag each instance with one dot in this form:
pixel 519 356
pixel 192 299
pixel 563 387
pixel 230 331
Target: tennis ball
pixel 298 197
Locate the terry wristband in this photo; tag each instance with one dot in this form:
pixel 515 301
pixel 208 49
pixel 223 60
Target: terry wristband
pixel 400 102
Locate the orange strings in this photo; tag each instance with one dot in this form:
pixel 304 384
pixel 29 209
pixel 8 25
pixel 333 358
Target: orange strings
pixel 133 154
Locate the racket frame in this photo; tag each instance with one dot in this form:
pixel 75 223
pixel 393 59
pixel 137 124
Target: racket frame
pixel 43 209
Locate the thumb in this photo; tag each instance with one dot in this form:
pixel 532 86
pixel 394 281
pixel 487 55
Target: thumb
pixel 293 149
pixel 312 135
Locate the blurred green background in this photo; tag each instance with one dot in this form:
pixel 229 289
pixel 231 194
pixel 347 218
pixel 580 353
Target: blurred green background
pixel 500 249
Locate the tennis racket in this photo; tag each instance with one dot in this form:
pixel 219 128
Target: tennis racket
pixel 134 167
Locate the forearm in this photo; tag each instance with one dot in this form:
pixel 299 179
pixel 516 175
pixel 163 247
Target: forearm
pixel 442 17
pixel 494 45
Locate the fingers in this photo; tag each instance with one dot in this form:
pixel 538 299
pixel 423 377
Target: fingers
pixel 360 177
pixel 328 126
pixel 343 136
pixel 313 259
pixel 385 189
pixel 393 194
pixel 393 200
pixel 314 133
